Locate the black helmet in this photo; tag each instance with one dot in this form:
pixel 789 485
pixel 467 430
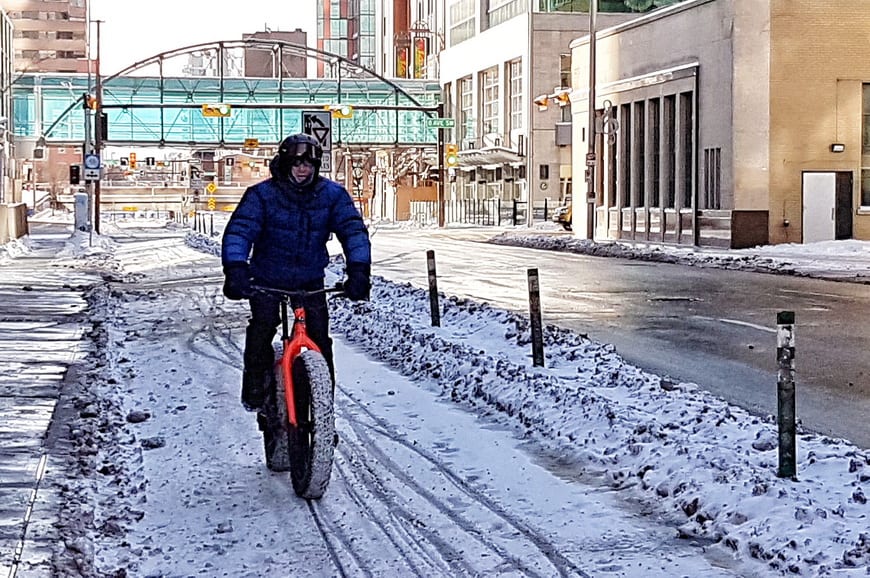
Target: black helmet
pixel 301 146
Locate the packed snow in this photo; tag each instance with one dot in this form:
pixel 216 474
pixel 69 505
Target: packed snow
pixel 703 471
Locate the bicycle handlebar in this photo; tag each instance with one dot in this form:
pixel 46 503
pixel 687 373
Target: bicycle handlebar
pixel 337 288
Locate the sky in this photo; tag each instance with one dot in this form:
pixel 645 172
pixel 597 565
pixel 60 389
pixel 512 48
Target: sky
pixel 132 32
pixel 456 457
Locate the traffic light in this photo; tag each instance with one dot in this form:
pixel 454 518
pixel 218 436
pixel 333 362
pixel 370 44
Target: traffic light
pixel 104 126
pixel 220 110
pixel 75 174
pixel 451 155
pixel 89 101
pixel 132 160
pixel 342 111
pixel 563 97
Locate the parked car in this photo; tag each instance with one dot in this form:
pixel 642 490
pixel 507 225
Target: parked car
pixel 562 216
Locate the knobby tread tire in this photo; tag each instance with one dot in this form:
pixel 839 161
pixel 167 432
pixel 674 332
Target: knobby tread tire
pixel 273 421
pixel 312 443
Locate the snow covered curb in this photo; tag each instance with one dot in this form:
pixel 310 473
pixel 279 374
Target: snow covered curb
pixel 717 474
pixel 768 259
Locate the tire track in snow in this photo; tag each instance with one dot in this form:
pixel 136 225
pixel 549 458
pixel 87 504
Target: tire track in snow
pixel 549 551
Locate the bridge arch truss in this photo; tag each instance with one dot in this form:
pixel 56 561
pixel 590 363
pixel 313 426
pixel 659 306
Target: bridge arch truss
pixel 152 103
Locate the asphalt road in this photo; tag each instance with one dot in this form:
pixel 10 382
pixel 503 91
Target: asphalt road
pixel 713 327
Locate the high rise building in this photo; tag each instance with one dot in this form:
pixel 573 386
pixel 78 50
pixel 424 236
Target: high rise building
pixel 347 28
pixel 262 63
pixel 49 35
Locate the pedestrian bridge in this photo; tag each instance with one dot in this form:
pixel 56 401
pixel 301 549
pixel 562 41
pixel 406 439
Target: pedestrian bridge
pixel 146 107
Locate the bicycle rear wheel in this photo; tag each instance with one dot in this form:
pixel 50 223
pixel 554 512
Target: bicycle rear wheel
pixel 311 444
pixel 273 420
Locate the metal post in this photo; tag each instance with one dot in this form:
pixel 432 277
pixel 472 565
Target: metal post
pixel 441 172
pixel 591 159
pixel 433 289
pixel 98 129
pixel 535 316
pixel 785 395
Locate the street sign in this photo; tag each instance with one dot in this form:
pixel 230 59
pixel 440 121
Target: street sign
pixel 440 123
pixel 318 123
pixel 211 188
pixel 590 159
pixel 92 167
pixel 326 162
pixel 211 203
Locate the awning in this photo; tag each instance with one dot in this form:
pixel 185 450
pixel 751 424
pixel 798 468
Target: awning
pixel 494 155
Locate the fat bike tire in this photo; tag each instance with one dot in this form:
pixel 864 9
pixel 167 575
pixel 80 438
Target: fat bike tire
pixel 312 442
pixel 273 420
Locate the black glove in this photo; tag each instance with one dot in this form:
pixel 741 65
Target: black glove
pixel 237 282
pixel 359 281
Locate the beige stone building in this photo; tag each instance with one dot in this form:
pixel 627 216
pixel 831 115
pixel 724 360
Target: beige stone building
pixel 728 122
pixel 49 35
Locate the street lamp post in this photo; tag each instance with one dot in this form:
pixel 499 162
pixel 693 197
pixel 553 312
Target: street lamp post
pixel 591 158
pixel 98 129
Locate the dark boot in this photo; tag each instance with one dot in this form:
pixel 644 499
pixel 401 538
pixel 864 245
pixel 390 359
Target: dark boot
pixel 254 383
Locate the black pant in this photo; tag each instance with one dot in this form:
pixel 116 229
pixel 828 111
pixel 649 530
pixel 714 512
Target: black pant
pixel 265 319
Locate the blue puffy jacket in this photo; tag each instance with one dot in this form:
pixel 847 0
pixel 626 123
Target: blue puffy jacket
pixel 284 230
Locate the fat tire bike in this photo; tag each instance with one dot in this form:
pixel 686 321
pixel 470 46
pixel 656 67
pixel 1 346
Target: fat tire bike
pixel 298 415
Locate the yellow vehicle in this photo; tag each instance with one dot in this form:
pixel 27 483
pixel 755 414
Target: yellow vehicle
pixel 562 215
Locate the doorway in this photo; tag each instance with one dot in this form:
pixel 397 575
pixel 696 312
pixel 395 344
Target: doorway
pixel 827 206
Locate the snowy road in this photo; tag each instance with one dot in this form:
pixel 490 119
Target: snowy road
pixel 420 487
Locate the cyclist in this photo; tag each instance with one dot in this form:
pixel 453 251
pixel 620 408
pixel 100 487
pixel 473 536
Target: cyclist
pixel 277 237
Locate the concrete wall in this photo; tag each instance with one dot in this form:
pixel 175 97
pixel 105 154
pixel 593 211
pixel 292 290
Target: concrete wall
pixel 13 221
pixel 634 59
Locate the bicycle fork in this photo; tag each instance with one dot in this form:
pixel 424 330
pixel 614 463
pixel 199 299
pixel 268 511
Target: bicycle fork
pixel 294 345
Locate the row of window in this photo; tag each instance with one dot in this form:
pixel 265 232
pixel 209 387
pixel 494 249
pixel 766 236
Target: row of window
pixel 649 163
pixel 490 103
pixel 49 34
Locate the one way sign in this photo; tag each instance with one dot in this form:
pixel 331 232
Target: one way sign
pixel 318 123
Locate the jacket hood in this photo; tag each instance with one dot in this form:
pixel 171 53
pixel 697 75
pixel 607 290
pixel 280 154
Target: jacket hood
pixel 284 181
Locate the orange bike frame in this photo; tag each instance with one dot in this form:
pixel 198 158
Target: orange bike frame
pixel 294 344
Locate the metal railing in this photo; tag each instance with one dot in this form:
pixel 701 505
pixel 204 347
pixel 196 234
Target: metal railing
pixel 484 212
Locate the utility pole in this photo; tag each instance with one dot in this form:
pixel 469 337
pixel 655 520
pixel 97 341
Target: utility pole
pixel 441 172
pixel 591 159
pixel 98 129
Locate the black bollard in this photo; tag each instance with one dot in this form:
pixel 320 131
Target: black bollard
pixel 433 290
pixel 536 325
pixel 785 395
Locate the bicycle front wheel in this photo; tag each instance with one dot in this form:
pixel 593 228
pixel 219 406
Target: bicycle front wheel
pixel 311 442
pixel 272 419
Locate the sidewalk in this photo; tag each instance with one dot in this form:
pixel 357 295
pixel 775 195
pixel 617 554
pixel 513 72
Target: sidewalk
pixel 43 330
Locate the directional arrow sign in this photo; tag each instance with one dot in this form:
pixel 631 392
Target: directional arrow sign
pixel 318 123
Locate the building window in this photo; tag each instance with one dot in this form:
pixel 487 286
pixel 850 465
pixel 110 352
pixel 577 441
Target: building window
pixel 564 71
pixel 654 152
pixel 712 178
pixel 639 146
pixel 503 10
pixel 865 150
pixel 466 116
pixel 687 113
pixel 670 120
pixel 489 99
pixel 625 149
pixel 64 35
pixel 462 21
pixel 515 74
